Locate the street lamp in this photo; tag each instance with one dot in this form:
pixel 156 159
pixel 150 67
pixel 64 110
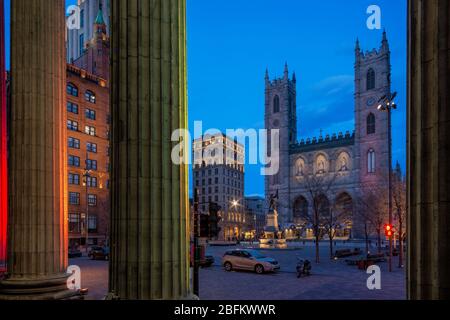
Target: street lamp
pixel 387 104
pixel 87 174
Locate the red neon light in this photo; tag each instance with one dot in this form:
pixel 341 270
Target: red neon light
pixel 3 146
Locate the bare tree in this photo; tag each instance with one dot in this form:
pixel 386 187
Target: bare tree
pixel 340 214
pixel 399 203
pixel 372 208
pixel 318 187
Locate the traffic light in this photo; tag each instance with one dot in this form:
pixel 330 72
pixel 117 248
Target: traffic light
pixel 214 220
pixel 204 226
pixel 388 230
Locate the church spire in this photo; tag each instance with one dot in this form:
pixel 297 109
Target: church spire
pixel 99 20
pixel 384 42
pixel 286 71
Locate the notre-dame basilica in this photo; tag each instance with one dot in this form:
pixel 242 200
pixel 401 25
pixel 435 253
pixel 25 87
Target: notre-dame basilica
pixel 354 159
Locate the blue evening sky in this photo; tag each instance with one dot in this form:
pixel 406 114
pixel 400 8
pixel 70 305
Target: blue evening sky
pixel 231 42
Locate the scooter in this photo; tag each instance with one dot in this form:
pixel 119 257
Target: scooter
pixel 303 268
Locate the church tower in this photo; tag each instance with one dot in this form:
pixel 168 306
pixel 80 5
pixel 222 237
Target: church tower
pixel 95 58
pixel 372 81
pixel 280 113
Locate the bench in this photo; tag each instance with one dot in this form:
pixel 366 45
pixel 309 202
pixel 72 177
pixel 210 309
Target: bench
pixel 345 253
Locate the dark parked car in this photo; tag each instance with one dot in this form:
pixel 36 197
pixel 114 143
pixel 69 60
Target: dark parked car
pixel 207 262
pixel 75 253
pixel 99 253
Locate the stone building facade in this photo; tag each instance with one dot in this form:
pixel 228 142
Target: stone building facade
pixel 353 159
pixel 218 175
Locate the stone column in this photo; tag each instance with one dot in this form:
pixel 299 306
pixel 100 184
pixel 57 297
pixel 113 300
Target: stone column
pixel 3 147
pixel 150 220
pixel 429 150
pixel 37 228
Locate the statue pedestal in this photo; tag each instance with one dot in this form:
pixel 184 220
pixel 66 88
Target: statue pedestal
pixel 273 238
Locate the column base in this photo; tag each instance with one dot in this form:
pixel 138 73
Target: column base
pixel 51 288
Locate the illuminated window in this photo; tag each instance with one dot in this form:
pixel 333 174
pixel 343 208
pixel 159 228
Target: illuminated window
pixel 90 96
pixel 72 125
pixel 371 161
pixel 89 130
pixel 91 182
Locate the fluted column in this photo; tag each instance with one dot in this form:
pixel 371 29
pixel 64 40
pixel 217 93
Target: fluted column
pixel 3 147
pixel 149 234
pixel 429 150
pixel 37 229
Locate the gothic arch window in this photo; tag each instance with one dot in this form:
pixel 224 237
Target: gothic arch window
pixel 370 79
pixel 371 124
pixel 371 161
pixel 321 164
pixel 276 104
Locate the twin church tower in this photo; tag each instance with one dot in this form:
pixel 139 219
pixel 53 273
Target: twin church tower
pixel 358 159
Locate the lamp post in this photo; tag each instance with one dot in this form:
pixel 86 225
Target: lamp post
pixel 387 104
pixel 87 174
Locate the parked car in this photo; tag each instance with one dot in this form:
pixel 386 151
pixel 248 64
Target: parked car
pixel 99 253
pixel 75 253
pixel 250 260
pixel 207 262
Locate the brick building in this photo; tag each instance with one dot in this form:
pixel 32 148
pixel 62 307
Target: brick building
pixel 88 125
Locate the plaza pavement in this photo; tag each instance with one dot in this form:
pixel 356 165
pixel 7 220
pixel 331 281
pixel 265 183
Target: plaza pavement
pixel 331 280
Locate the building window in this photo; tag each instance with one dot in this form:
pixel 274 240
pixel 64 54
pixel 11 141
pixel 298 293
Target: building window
pixel 72 125
pixel 89 130
pixel 276 104
pixel 92 200
pixel 74 198
pixel 72 107
pixel 91 182
pixel 89 96
pixel 371 161
pixel 91 164
pixel 74 223
pixel 74 179
pixel 81 44
pixel 370 79
pixel 91 147
pixel 90 114
pixel 92 224
pixel 72 90
pixel 74 143
pixel 74 161
pixel 82 18
pixel 371 124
